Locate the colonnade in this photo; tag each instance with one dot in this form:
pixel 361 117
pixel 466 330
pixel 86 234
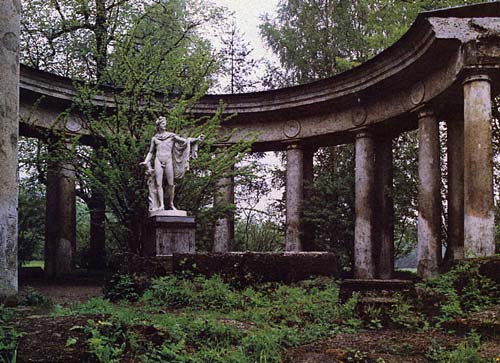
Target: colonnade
pixel 415 82
pixel 470 220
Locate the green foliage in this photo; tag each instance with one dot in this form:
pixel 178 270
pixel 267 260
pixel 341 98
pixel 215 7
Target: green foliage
pixel 404 314
pixel 106 340
pixel 258 235
pixel 466 352
pixel 34 298
pixel 205 320
pixel 465 290
pixel 8 337
pixel 122 287
pixel 31 220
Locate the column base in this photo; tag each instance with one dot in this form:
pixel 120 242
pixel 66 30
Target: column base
pixel 167 235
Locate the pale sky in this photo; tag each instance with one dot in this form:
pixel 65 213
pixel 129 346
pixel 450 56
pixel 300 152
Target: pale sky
pixel 246 14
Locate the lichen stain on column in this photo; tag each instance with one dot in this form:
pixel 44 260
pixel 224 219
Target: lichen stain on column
pixel 479 227
pixel 429 203
pixel 364 265
pixel 294 197
pixel 9 106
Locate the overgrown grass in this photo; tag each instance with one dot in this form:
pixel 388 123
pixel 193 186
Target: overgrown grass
pixel 207 320
pixel 204 320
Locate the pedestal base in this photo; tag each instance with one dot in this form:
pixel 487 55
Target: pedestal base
pixel 169 234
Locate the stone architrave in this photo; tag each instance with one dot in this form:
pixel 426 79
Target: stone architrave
pixel 60 217
pixel 429 200
pixel 224 227
pixel 364 233
pixel 479 221
pixel 294 197
pixel 9 131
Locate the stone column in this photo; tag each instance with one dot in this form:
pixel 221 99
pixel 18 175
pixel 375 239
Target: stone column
pixel 364 266
pixel 308 169
pixel 294 197
pixel 9 132
pixel 60 217
pixel 224 227
pixel 429 206
pixel 455 146
pixel 384 218
pixel 479 224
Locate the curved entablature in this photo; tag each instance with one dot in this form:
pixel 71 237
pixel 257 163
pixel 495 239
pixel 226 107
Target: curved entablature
pixel 426 66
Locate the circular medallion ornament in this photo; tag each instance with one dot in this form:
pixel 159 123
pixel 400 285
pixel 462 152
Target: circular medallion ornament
pixel 358 116
pixel 291 128
pixel 417 93
pixel 73 126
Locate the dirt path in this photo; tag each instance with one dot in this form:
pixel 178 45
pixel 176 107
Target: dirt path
pixel 64 293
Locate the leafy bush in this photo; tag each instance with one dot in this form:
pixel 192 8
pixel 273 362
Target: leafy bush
pixel 465 290
pixel 125 287
pixel 34 298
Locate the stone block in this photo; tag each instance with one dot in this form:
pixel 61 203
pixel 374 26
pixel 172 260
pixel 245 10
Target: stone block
pixel 167 235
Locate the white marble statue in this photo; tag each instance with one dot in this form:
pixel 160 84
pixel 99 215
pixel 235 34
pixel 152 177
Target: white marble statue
pixel 171 160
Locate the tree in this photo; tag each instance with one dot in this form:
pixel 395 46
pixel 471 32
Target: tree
pixel 161 54
pixel 237 66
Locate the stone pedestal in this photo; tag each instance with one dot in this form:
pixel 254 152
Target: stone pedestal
pixel 167 234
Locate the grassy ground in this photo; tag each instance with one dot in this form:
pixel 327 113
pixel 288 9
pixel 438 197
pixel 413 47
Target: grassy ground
pixel 35 263
pixel 204 320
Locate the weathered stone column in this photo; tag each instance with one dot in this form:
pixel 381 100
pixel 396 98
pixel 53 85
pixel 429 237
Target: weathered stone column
pixel 9 132
pixel 294 197
pixel 384 218
pixel 224 227
pixel 364 266
pixel 429 206
pixel 308 170
pixel 455 146
pixel 60 217
pixel 479 224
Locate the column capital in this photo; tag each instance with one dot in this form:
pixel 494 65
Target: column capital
pixel 364 133
pixel 293 145
pixel 425 111
pixel 476 76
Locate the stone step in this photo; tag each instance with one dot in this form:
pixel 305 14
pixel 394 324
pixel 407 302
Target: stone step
pixel 376 288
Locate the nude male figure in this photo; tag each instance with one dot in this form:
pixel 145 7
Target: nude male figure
pixel 162 144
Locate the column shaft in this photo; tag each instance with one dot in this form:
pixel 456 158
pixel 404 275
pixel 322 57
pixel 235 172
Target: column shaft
pixel 224 227
pixel 60 218
pixel 455 146
pixel 429 203
pixel 384 221
pixel 9 132
pixel 294 197
pixel 479 223
pixel 364 233
pixel 308 228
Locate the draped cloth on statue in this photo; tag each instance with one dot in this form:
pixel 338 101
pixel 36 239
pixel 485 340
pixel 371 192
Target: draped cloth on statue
pixel 181 152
